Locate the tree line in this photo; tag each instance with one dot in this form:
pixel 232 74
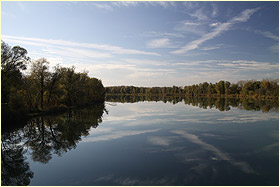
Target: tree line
pixel 251 88
pixel 43 88
pixel 220 103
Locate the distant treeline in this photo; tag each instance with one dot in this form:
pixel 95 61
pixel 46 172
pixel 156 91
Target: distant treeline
pixel 42 90
pixel 251 88
pixel 222 104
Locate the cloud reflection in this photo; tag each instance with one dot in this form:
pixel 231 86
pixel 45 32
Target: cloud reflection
pixel 116 135
pixel 157 140
pixel 219 154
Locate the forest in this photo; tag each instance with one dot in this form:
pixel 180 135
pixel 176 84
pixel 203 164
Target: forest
pixel 265 89
pixel 43 89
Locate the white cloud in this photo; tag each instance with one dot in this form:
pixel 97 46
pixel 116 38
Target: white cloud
pixel 230 64
pixel 104 47
pixel 199 14
pixel 159 43
pixel 103 6
pixel 268 35
pixel 120 4
pixel 125 3
pixel 211 48
pixel 189 23
pixel 242 17
pixel 156 34
pixel 215 24
pixel 164 4
pixel 77 53
pixel 193 27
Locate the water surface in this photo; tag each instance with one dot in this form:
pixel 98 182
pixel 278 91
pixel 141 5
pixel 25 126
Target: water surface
pixel 147 143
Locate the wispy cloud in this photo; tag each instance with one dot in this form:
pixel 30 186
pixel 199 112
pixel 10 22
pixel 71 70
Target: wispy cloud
pixel 211 47
pixel 231 64
pixel 126 4
pixel 77 53
pixel 199 14
pixel 159 43
pixel 103 6
pixel 161 141
pixel 275 47
pixel 242 17
pixel 104 47
pixel 245 167
pixel 116 135
pixel 193 27
pixel 215 10
pixel 157 34
pixel 268 34
pixel 164 4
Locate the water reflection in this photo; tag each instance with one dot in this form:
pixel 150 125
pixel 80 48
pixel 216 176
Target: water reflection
pixel 43 137
pixel 222 104
pixel 15 170
pixel 192 146
pixel 219 155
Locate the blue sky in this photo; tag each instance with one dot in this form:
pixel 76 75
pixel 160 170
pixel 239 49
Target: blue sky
pixel 150 43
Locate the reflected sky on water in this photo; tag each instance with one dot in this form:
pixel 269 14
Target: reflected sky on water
pixel 151 143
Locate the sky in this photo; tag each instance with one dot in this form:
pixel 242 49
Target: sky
pixel 150 43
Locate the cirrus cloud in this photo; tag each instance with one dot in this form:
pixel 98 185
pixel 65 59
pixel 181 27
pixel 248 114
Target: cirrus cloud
pixel 242 17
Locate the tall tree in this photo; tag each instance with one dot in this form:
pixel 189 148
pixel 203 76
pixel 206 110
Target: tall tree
pixel 13 61
pixel 39 71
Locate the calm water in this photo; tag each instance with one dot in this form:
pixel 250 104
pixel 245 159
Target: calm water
pixel 147 143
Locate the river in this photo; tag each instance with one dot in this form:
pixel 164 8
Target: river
pixel 127 142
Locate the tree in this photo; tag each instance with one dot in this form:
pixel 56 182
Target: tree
pixel 40 73
pixel 211 89
pixel 52 86
pixel 227 87
pixel 13 62
pixel 220 87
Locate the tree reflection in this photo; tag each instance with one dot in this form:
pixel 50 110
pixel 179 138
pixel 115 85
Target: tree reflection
pixel 44 136
pixel 58 134
pixel 15 170
pixel 222 104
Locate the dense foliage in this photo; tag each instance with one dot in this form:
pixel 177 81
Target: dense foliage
pixel 252 88
pixel 43 89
